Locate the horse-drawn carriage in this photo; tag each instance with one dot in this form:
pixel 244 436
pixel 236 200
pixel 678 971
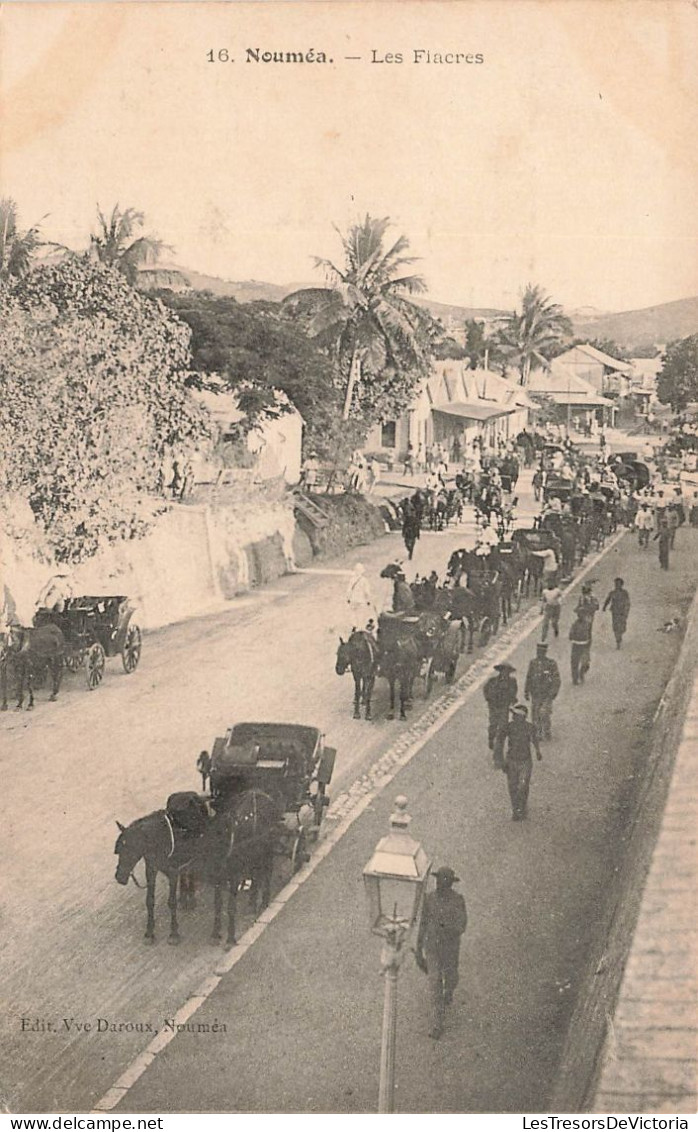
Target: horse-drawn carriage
pixel 287 763
pixel 94 629
pixel 78 633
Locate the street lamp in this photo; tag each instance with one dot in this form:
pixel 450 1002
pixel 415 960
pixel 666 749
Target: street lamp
pixel 395 880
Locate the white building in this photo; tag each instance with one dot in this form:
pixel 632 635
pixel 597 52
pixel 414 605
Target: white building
pixel 274 443
pixel 455 402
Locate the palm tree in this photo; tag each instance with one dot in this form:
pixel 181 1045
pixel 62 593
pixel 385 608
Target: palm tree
pixel 16 248
pixel 528 336
pixel 363 316
pixel 117 244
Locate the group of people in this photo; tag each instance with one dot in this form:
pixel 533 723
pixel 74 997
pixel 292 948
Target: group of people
pixel 513 738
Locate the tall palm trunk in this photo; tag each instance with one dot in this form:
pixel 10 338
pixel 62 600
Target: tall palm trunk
pixel 354 375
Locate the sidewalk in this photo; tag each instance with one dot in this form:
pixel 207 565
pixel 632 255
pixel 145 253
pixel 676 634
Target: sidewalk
pixel 651 1057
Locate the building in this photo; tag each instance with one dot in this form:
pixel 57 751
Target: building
pixel 605 374
pixel 455 404
pixel 643 381
pixel 576 401
pixel 274 444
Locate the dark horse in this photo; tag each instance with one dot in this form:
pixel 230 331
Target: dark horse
pixel 168 847
pixel 360 654
pixel 400 661
pixel 240 847
pixel 28 652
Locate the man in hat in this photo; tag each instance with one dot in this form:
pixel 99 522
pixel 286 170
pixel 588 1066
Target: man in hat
pixel 587 606
pixel 644 523
pixel 619 602
pixel 542 686
pixel 444 919
pixel 500 692
pixel 521 740
pixel 580 659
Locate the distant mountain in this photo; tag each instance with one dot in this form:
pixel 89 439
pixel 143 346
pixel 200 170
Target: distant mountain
pixel 650 326
pixel 630 329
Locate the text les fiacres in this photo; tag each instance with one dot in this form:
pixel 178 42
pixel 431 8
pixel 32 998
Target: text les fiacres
pixel 426 55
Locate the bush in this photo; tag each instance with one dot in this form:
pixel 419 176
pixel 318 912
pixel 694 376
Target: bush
pixel 352 521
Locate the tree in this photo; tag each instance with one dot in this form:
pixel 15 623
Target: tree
pixel 677 382
pixel 116 244
pixel 529 336
pixel 255 349
pixel 481 347
pixel 17 248
pixel 92 395
pixel 378 339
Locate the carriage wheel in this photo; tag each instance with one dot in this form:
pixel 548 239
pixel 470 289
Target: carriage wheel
pixel 94 665
pixel 319 806
pixel 131 649
pixel 451 670
pixel 299 853
pixel 75 660
pixel 485 631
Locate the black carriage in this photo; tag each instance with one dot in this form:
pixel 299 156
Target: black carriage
pixel 558 487
pixel 287 761
pixel 96 628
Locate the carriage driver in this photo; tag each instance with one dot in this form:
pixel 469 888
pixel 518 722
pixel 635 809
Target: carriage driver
pixel 55 594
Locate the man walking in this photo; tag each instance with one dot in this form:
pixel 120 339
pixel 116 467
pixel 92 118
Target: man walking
pixel 444 919
pixel 664 536
pixel 500 692
pixel 542 686
pixel 644 523
pixel 521 739
pixel 587 606
pixel 551 603
pixel 619 602
pixel 580 659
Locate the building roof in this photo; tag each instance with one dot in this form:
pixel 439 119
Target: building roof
pixel 453 382
pixel 566 388
pixel 473 410
pixel 597 356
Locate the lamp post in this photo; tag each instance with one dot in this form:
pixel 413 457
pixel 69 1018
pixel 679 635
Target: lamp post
pixel 395 879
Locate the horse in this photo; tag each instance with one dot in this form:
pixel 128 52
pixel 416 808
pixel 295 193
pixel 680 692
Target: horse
pixel 399 661
pixel 166 847
pixel 29 651
pixel 239 847
pixel 360 654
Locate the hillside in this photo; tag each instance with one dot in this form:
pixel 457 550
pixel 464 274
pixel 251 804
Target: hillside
pixel 631 329
pixel 650 326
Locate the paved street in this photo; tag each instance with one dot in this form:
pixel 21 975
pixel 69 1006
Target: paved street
pixel 74 767
pixel 535 894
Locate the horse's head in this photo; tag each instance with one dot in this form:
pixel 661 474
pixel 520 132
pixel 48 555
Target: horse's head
pixel 343 657
pixel 129 851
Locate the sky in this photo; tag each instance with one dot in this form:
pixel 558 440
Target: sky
pixel 568 158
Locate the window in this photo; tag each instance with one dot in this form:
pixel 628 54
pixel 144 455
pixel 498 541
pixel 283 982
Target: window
pixel 388 434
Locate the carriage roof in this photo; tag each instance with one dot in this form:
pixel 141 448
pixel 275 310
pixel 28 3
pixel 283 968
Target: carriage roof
pixel 277 748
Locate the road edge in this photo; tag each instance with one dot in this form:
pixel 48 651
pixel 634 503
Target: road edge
pixel 592 1018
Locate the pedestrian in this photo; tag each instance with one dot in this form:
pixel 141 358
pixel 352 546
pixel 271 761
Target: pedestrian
pixel 359 600
pixel 409 460
pixel 537 483
pixel 541 688
pixel 444 919
pixel 501 693
pixel 664 536
pixel 580 658
pixel 551 604
pixel 644 523
pixel 521 740
pixel 619 602
pixel 673 523
pixel 587 606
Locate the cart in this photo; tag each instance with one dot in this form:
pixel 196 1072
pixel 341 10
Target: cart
pixel 288 761
pixel 94 629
